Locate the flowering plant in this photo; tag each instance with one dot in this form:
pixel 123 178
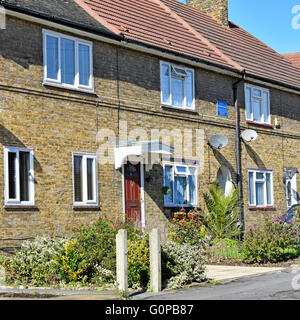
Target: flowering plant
pixel 188 229
pixel 272 241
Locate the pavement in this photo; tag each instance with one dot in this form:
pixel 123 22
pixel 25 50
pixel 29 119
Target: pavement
pixel 227 273
pixel 219 273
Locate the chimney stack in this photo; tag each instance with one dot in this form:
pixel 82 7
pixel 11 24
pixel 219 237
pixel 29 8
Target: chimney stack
pixel 215 8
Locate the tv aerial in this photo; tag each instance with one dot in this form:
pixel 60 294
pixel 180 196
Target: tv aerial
pixel 249 135
pixel 218 141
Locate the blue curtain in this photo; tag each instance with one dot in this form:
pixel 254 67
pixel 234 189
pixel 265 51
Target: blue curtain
pixel 180 190
pixel 177 92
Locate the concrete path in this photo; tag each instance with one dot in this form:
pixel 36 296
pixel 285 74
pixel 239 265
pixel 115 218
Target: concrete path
pixel 227 273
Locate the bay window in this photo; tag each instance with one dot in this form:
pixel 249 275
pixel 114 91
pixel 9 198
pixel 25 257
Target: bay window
pixel 67 61
pixel 260 184
pixel 177 86
pixel 257 102
pixel 182 185
pixel 19 180
pixel 84 179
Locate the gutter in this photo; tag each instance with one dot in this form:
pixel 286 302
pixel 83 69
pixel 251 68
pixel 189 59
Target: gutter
pixel 52 18
pixel 121 40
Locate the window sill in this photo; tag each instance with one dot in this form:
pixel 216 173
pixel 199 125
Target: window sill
pixel 62 87
pixel 171 108
pixel 260 124
pixel 21 208
pixel 262 208
pixel 86 208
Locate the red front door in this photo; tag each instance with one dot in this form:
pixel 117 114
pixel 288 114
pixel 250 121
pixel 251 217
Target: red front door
pixel 133 194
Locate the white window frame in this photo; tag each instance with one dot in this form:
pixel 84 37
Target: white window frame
pixel 175 172
pixel 263 90
pixel 170 86
pixel 84 201
pixel 17 201
pixel 58 81
pixel 264 172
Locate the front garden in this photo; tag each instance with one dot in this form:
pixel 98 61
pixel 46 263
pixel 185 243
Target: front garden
pixel 88 258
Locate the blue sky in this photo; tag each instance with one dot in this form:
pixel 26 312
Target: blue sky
pixel 268 20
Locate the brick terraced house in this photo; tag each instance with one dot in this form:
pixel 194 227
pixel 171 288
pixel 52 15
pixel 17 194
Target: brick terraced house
pixel 71 70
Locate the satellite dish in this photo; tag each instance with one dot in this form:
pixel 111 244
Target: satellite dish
pixel 249 135
pixel 218 141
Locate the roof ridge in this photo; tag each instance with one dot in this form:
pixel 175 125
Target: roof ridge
pixel 198 35
pixel 97 17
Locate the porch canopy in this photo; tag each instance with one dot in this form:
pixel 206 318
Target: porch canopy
pixel 139 148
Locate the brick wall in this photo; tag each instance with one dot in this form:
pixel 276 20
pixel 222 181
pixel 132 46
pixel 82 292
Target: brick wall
pixel 55 122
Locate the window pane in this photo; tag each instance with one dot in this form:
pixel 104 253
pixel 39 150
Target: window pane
pixel 192 185
pixel 289 193
pixel 260 176
pixel 67 61
pixel 84 64
pixel 180 190
pixel 165 84
pixel 269 190
pixel 181 169
pixel 248 104
pixel 260 199
pixel 24 175
pixel 78 178
pixel 256 110
pixel 257 92
pixel 189 89
pixel 12 175
pixel 168 183
pixel 52 57
pixel 251 188
pixel 177 92
pixel 266 107
pixel 90 179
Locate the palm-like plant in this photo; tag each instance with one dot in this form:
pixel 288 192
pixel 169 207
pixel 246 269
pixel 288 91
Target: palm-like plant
pixel 222 213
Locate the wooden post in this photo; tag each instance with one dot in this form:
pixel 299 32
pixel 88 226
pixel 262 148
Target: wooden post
pixel 155 261
pixel 122 264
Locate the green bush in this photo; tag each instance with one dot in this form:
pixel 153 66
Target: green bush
pixel 138 262
pixel 182 264
pixel 34 263
pixel 272 241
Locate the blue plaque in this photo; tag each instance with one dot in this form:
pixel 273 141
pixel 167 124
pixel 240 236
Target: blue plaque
pixel 222 109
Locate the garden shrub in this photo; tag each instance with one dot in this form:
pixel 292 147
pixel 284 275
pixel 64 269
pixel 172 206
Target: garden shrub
pixel 182 264
pixel 272 241
pixel 34 263
pixel 138 262
pixel 189 229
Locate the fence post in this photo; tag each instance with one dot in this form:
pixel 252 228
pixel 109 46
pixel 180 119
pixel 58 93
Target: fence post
pixel 155 261
pixel 122 264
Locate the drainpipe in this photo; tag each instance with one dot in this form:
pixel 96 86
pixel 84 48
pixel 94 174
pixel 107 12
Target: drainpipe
pixel 238 153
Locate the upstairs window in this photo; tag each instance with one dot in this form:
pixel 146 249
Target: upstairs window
pixel 260 188
pixel 67 61
pixel 257 104
pixel 177 86
pixel 182 185
pixel 85 179
pixel 19 180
